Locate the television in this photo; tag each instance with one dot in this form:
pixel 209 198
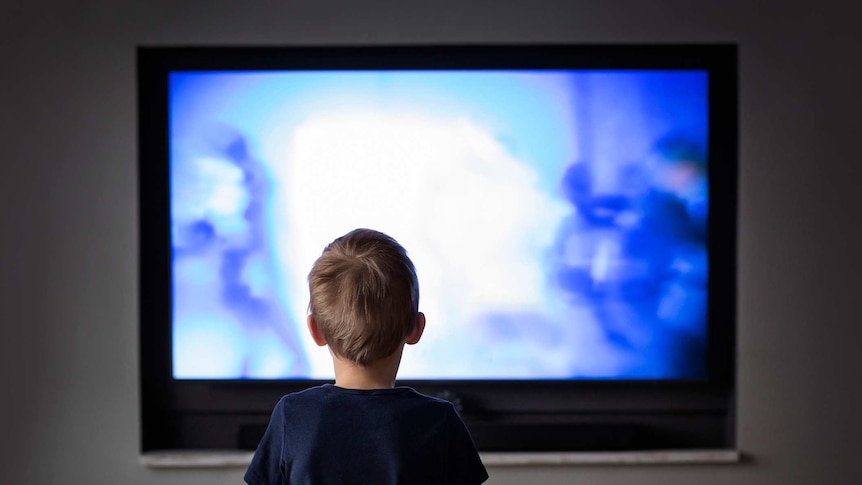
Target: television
pixel 570 209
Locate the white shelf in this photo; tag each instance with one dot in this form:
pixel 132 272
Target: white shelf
pixel 241 459
pixel 663 457
pixel 196 459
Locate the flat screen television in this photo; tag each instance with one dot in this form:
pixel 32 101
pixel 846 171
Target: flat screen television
pixel 570 209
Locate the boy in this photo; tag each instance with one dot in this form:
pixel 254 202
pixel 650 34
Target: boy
pixel 363 429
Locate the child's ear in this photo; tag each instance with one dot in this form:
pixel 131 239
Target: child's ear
pixel 314 330
pixel 416 334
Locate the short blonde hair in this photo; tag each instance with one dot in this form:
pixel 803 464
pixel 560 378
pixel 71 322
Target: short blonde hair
pixel 364 295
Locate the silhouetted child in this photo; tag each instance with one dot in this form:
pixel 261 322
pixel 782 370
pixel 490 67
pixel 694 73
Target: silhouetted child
pixel 363 429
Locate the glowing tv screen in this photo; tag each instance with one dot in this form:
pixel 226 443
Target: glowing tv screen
pixel 557 218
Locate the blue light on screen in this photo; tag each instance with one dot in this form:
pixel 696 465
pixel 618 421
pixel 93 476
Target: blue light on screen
pixel 557 219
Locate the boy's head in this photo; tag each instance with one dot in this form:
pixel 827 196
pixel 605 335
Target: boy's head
pixel 364 296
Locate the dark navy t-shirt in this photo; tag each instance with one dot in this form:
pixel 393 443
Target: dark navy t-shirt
pixel 331 435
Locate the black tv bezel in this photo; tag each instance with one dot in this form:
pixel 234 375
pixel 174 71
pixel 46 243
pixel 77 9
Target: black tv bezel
pixel 167 403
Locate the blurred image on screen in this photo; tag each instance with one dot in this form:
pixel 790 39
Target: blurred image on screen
pixel 557 219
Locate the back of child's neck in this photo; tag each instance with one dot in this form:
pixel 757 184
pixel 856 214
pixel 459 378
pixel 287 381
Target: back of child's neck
pixel 379 374
pixel 363 384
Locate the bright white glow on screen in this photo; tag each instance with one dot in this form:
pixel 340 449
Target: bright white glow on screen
pixel 406 175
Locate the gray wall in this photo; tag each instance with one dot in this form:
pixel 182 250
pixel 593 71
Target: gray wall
pixel 68 215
